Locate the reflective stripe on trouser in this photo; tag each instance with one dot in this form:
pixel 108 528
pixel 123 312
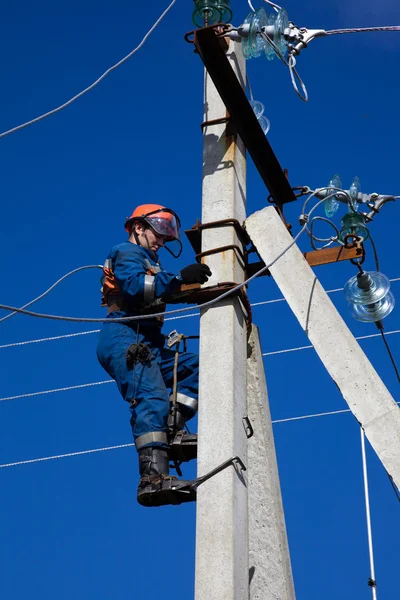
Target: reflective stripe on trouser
pixel 147 383
pixel 149 439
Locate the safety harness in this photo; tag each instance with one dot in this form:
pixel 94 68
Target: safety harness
pixel 113 299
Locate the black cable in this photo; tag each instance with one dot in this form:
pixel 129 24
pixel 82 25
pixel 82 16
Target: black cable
pixel 394 486
pixel 379 325
pixel 375 253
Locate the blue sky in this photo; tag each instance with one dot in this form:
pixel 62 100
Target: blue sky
pixel 71 528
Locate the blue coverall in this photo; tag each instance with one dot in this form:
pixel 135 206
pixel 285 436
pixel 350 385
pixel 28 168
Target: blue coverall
pixel 145 385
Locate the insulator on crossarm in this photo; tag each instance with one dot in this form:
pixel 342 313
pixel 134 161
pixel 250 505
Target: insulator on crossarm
pixel 369 296
pixel 210 12
pixel 258 109
pixel 331 205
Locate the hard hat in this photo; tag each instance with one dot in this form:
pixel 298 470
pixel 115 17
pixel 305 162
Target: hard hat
pixel 163 220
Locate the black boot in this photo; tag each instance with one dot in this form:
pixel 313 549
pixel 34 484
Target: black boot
pixel 182 445
pixel 156 486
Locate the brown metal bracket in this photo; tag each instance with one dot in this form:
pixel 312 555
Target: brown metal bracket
pixel 194 234
pixel 195 294
pixel 234 247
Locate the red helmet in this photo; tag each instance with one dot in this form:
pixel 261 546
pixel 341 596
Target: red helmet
pixel 161 219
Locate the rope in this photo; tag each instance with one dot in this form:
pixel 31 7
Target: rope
pixel 90 87
pixel 372 581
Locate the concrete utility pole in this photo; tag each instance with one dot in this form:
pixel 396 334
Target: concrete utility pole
pixel 241 544
pixel 270 572
pixel 222 571
pixel 361 386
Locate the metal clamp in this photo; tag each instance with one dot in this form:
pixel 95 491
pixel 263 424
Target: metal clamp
pixel 173 338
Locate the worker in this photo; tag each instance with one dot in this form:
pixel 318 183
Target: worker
pixel 133 353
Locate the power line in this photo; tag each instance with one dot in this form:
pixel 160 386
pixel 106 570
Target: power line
pixel 360 337
pixel 207 304
pixel 86 385
pixel 45 458
pixel 63 389
pixel 107 448
pixel 262 303
pixel 90 87
pixel 51 288
pixel 363 29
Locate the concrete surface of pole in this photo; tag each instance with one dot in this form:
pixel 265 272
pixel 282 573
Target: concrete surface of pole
pixel 359 383
pixel 270 571
pixel 222 528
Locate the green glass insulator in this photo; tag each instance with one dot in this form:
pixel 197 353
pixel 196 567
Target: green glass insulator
pixel 269 51
pixel 225 11
pixel 332 204
pixel 281 23
pixel 206 13
pixel 256 42
pixel 210 12
pixel 353 224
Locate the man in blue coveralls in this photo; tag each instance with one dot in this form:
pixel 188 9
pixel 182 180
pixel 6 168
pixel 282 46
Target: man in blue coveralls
pixel 133 352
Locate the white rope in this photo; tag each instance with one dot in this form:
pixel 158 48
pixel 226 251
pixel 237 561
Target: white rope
pixel 90 87
pixel 360 337
pixel 372 581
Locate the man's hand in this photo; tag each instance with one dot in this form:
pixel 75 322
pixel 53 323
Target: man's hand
pixel 196 273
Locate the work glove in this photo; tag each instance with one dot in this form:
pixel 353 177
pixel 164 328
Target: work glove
pixel 196 273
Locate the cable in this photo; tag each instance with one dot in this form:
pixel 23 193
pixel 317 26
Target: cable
pixel 253 304
pixel 86 385
pixel 314 238
pixel 376 258
pixel 363 29
pixel 394 486
pixel 380 327
pixel 45 458
pixel 171 312
pixel 291 65
pixel 64 389
pixel 51 288
pixel 276 7
pixel 361 337
pixel 50 339
pixel 90 87
pixel 372 581
pixel 35 460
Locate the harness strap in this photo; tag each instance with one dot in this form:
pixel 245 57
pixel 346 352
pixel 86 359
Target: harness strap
pixel 187 401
